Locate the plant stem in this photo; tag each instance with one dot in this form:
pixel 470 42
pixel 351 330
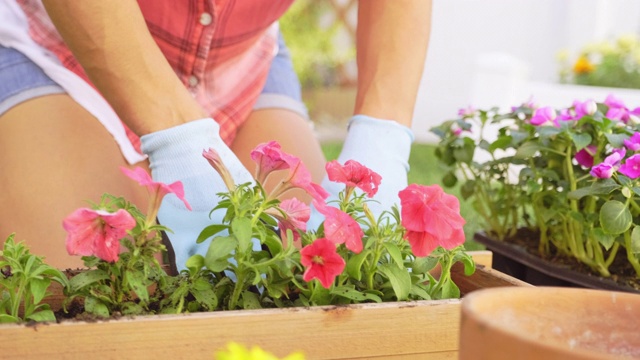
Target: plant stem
pixel 633 260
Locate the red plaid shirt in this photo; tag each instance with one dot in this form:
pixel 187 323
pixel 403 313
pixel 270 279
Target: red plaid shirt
pixel 220 49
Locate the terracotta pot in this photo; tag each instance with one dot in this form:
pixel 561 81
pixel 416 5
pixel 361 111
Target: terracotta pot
pixel 549 323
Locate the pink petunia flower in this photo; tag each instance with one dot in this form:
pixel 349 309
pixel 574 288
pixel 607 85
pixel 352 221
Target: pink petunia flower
pixel 631 167
pixel 215 161
pixel 543 116
pixel 269 157
pixel 431 218
pixel 341 228
pixel 160 189
pixel 633 143
pixel 97 232
pixel 353 174
pixel 300 177
pixel 322 262
pixel 584 157
pixel 296 215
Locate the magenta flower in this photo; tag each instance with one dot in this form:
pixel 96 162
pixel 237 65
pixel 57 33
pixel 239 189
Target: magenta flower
pixel 584 157
pixel 340 228
pixel 294 216
pixel 431 218
pixel 605 169
pixel 159 189
pixel 631 167
pixel 322 262
pixel 300 177
pixel 97 232
pixel 618 110
pixel 602 171
pixel 588 107
pixel 543 116
pixel 215 161
pixel 269 157
pixel 563 116
pixel 353 174
pixel 633 143
pixel 530 104
pixel 466 112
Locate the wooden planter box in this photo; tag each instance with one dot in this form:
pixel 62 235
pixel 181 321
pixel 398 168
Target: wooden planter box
pixel 407 330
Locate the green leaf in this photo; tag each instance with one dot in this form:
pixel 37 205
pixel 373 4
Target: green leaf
pixel 399 278
pixel 615 217
pixel 96 307
pixel 250 300
pixel 349 292
pixel 194 263
pixel 135 280
pixel 209 231
pixel 450 290
pixel 635 240
pixel 420 292
pixel 616 140
pixel 598 188
pixel 38 288
pixel 501 143
pixel 395 253
pixel 219 251
pixel 241 228
pixel 581 141
pixel 527 150
pixel 6 318
pixel 449 179
pixel 603 238
pixel 423 265
pixel 42 315
pixel 85 278
pixel 354 265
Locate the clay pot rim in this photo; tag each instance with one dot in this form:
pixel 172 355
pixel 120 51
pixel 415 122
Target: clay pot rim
pixel 468 310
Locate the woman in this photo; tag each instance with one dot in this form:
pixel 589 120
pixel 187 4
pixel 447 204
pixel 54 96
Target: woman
pixel 82 80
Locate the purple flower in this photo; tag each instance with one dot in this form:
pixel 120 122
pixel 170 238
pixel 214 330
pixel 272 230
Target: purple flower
pixel 584 157
pixel 615 157
pixel 588 107
pixel 543 115
pixel 605 169
pixel 468 111
pixel 618 110
pixel 602 171
pixel 631 167
pixel 633 143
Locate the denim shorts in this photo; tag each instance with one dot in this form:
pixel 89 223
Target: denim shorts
pixel 21 80
pixel 282 89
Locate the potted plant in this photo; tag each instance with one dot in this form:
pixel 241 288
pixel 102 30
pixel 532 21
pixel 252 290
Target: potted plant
pixel 347 282
pixel 560 184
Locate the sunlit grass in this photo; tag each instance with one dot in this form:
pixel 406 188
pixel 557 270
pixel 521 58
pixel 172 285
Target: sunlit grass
pixel 425 170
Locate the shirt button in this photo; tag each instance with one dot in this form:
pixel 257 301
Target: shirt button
pixel 193 81
pixel 205 19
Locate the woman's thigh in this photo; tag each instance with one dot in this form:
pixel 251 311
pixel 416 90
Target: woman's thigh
pixel 55 158
pixel 292 131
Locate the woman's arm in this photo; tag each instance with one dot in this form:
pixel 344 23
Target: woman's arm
pixel 392 40
pixel 111 41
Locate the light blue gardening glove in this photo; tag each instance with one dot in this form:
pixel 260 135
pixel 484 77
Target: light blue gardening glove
pixel 383 146
pixel 176 154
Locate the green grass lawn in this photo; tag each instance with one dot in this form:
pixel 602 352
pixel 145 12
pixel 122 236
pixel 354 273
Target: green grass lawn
pixel 425 170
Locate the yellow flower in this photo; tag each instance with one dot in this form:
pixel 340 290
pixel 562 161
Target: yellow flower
pixel 627 42
pixel 237 351
pixel 583 66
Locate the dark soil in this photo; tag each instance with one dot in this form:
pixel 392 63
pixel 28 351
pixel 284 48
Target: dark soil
pixel 622 272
